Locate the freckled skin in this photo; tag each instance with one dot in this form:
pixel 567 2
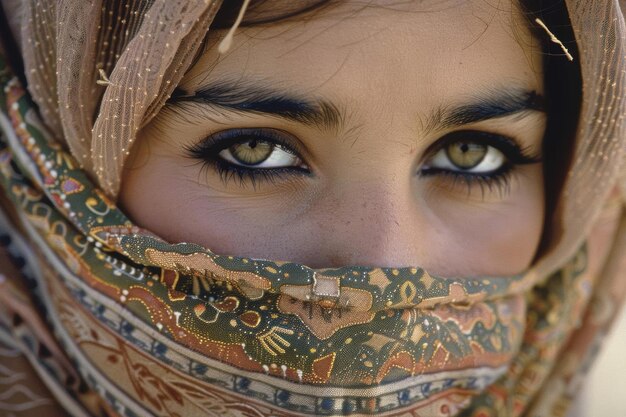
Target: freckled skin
pixel 387 69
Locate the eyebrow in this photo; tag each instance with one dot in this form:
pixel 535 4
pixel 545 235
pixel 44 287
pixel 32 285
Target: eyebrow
pixel 494 104
pixel 255 98
pixel 258 98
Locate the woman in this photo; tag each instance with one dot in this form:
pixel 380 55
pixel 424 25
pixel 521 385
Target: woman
pixel 358 139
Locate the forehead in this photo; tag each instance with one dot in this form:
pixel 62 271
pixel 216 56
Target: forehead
pixel 396 50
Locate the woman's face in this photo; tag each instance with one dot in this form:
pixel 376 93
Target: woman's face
pixel 382 133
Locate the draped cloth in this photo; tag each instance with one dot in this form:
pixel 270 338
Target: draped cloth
pixel 104 318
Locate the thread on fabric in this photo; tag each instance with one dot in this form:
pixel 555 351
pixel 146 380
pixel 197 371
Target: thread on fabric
pixel 554 39
pixel 104 80
pixel 227 42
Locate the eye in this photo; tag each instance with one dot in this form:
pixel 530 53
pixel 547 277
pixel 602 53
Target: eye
pixel 468 156
pixel 258 153
pixel 250 155
pixel 476 153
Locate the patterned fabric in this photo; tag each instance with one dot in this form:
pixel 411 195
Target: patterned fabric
pixel 23 393
pixel 165 329
pixel 136 326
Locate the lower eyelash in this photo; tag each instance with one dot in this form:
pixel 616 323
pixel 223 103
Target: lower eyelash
pixel 499 180
pixel 229 172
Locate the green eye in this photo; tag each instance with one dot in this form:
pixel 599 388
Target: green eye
pixel 466 155
pixel 252 152
pixel 255 152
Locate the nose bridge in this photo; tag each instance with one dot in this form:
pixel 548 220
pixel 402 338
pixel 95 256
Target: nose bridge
pixel 372 224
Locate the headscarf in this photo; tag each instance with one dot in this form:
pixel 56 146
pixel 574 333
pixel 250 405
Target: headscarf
pixel 109 319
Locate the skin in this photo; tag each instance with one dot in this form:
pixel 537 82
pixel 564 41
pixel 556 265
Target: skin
pixel 387 68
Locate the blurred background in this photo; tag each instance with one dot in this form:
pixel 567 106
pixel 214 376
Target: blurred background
pixel 605 391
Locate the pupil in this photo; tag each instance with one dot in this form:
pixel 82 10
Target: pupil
pixel 464 147
pixel 252 143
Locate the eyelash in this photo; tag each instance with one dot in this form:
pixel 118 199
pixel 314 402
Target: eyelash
pixel 207 152
pixel 500 179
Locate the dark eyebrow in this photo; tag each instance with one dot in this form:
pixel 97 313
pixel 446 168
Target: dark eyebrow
pixel 498 103
pixel 256 98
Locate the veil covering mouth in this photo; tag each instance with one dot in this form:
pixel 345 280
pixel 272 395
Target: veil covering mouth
pixel 104 318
